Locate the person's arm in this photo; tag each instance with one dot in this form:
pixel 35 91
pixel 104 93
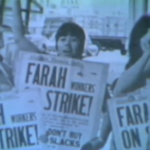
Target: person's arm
pixel 99 141
pixel 18 29
pixel 130 78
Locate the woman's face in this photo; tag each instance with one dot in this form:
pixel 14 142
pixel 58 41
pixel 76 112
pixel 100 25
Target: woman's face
pixel 68 46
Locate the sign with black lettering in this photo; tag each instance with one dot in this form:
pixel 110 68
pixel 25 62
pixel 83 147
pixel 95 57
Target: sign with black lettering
pixel 72 97
pixel 19 121
pixel 130 120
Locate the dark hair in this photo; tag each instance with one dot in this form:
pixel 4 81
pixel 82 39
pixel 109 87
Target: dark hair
pixel 72 29
pixel 139 30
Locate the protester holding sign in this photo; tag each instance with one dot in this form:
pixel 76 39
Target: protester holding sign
pixel 138 67
pixel 70 40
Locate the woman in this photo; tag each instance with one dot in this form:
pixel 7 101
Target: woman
pixel 137 71
pixel 138 67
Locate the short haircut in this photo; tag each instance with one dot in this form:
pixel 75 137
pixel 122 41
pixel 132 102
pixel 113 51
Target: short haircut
pixel 70 28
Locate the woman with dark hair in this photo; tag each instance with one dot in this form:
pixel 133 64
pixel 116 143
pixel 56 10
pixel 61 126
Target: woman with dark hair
pixel 70 37
pixel 138 67
pixel 137 71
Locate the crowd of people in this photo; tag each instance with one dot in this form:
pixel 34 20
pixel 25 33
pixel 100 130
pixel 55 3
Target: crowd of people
pixel 70 41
